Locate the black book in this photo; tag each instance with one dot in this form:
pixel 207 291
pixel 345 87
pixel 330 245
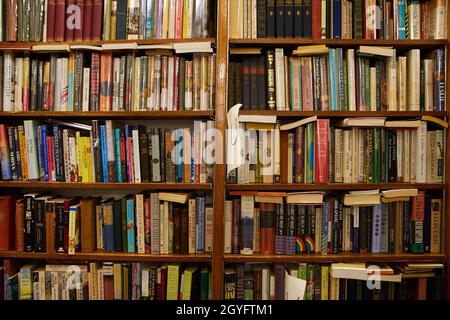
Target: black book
pixel 144 157
pixel 246 66
pixel 34 85
pixel 298 13
pixel 279 7
pixel 238 84
pixel 39 224
pixel 231 84
pixel 59 227
pixel 253 83
pixel 288 18
pixel 261 18
pixel 270 19
pixel 307 19
pixel 121 20
pixel 117 224
pixel 29 222
pixel 97 151
pixel 261 70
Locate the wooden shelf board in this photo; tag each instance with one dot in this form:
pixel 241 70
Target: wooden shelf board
pixel 107 185
pixel 339 42
pixel 110 114
pixel 343 257
pixel 335 186
pixel 396 114
pixel 26 45
pixel 106 256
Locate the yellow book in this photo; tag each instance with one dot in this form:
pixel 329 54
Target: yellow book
pixel 107 20
pixel 324 283
pixel 438 121
pixel 92 281
pixel 136 82
pixel 187 283
pixel 74 231
pixel 26 282
pixel 90 173
pixel 188 6
pixel 78 157
pixel 173 275
pixel 23 152
pixel 112 31
pixel 25 83
pixel 117 270
pixel 165 22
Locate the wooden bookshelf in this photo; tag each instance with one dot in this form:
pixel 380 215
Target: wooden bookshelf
pixel 342 114
pixel 106 185
pixel 342 257
pixel 338 42
pixel 107 256
pixel 110 114
pixel 335 186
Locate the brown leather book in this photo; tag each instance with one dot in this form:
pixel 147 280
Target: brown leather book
pixel 78 32
pixel 20 210
pixel 69 29
pixel 284 158
pixel 88 224
pixel 60 15
pixel 50 227
pixel 87 20
pixel 11 23
pixel 184 232
pixel 176 229
pixel 97 21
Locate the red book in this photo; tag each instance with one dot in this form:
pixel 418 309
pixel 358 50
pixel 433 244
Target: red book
pixel 7 232
pixel 97 20
pixel 51 159
pixel 60 19
pixel 267 228
pixel 51 20
pixel 299 157
pixel 108 287
pixel 87 20
pixel 106 71
pixel 316 19
pixel 130 157
pixel 179 20
pixel 123 161
pixel 307 84
pixel 11 22
pixel 321 151
pixel 69 22
pixel 78 32
pixel 147 226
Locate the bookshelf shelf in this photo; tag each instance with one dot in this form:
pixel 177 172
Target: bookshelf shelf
pixel 26 46
pixel 107 185
pixel 334 186
pixel 338 42
pixel 341 114
pixel 107 256
pixel 110 114
pixel 343 257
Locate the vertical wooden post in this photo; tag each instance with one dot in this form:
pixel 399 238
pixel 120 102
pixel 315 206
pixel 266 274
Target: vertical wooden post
pixel 445 246
pixel 219 173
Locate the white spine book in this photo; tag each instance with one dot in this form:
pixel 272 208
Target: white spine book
pixel 30 143
pixel 8 81
pixel 136 158
pixel 228 220
pixel 18 76
pixel 279 80
pixel 421 151
pixel 86 89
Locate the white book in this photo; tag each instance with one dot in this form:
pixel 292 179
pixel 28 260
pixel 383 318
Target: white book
pixel 55 287
pixel 413 93
pixel 63 101
pixel 170 75
pixel 8 81
pixel 30 143
pixel 347 157
pixel 414 20
pixel 351 79
pixel 172 10
pixel 154 211
pixel 145 282
pixel 338 155
pixel 116 83
pixel 254 20
pixel 431 155
pixel 100 285
pixel 92 281
pixel 192 224
pixel 402 84
pixel 136 157
pixel 18 76
pixel 228 220
pixel 58 85
pixel 421 151
pixel 356 154
pixel 86 88
pixel 279 79
pixel 428 67
pixel 391 80
pixel 140 226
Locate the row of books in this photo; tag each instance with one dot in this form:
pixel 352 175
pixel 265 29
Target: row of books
pixel 322 79
pixel 82 81
pixel 105 152
pixel 151 223
pixel 341 19
pixel 81 20
pixel 277 223
pixel 338 281
pixel 310 151
pixel 104 281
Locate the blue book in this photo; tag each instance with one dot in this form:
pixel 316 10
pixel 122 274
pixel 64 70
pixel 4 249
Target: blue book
pixel 401 20
pixel 12 153
pixel 332 79
pixel 131 239
pixel 200 225
pixel 4 155
pixel 354 223
pixel 337 19
pixel 57 151
pixel 192 161
pixel 104 151
pixel 118 155
pixel 17 153
pixel 108 226
pixel 150 22
pixel 44 151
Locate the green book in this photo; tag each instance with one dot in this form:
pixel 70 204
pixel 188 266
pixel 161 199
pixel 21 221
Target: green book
pixel 204 283
pixel 310 270
pixel 376 162
pixel 173 275
pixel 367 84
pixel 309 154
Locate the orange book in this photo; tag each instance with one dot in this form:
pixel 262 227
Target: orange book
pixel 106 81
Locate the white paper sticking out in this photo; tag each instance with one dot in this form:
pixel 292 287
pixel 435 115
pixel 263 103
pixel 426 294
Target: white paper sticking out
pixel 235 139
pixel 294 288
